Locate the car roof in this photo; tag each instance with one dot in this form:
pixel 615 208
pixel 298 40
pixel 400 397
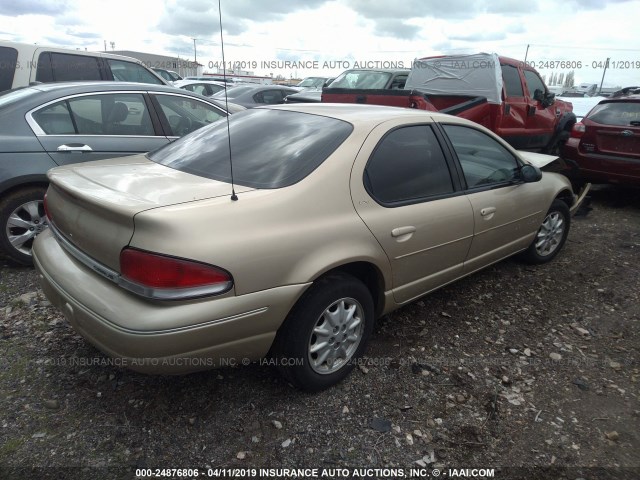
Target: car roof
pixel 381 70
pixel 180 83
pixel 105 85
pixel 52 91
pixel 355 113
pixel 622 98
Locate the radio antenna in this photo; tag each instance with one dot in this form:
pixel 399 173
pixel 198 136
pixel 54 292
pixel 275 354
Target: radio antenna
pixel 234 197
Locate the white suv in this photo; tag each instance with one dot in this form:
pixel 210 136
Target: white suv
pixel 22 64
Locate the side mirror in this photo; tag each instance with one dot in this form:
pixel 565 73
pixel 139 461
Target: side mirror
pixel 530 174
pixel 538 95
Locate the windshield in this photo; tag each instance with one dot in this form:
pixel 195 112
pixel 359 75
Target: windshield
pixel 361 79
pixel 311 82
pixel 271 148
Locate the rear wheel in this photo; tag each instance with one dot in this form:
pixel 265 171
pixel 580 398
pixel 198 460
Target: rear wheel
pixel 325 333
pixel 22 218
pixel 551 236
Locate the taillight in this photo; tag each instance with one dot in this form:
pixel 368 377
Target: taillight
pixel 578 130
pixel 168 278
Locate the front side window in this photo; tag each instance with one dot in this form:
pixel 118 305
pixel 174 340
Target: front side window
pixel 270 148
pixel 484 161
pixel 131 72
pixel 113 114
pixel 534 82
pixel 186 114
pixel 407 164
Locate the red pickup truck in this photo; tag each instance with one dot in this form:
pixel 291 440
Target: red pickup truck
pixel 502 94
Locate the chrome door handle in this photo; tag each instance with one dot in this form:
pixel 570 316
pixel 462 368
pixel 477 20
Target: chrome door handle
pixel 75 147
pixel 398 232
pixel 487 211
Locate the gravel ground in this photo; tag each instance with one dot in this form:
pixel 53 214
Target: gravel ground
pixel 532 371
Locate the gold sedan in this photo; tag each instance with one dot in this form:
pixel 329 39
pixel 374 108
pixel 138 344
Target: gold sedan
pixel 289 238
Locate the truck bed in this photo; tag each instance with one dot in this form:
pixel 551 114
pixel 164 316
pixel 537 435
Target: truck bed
pixel 465 106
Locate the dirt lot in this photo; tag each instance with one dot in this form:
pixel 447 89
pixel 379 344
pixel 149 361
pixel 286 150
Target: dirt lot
pixel 532 371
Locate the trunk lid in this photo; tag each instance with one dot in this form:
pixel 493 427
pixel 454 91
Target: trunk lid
pixel 93 204
pixel 619 141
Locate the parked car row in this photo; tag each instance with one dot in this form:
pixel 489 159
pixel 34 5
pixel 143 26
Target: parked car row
pixel 284 231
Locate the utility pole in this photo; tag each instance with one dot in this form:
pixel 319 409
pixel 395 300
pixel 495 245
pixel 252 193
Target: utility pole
pixel 526 54
pixel 105 45
pixel 195 56
pixel 605 71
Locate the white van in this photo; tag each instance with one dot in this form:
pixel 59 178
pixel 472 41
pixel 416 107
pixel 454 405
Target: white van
pixel 22 63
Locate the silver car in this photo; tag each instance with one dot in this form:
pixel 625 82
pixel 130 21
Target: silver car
pixel 55 124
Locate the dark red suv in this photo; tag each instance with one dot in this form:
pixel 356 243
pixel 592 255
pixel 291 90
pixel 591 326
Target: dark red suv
pixel 606 143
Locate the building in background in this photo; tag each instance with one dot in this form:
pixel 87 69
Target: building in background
pixel 182 66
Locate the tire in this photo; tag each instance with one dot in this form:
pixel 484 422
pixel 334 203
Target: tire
pixel 298 349
pixel 551 235
pixel 22 218
pixel 555 146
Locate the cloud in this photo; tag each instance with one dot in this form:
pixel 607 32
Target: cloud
pixel 86 35
pixel 391 27
pixel 480 36
pixel 595 4
pixel 201 18
pixel 33 7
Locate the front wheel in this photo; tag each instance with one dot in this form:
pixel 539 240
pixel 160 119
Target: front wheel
pixel 551 236
pixel 22 218
pixel 325 333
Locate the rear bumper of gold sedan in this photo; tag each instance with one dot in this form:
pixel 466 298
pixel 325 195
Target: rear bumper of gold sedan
pixel 161 337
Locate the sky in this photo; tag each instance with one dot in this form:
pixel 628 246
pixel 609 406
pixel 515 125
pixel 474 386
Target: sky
pixel 326 37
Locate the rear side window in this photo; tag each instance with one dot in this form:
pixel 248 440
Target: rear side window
pixel 271 148
pixel 60 67
pixel 512 83
pixel 111 114
pixel 407 164
pixel 8 65
pixel 616 113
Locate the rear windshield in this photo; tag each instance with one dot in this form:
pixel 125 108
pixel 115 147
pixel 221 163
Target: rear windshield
pixel 616 113
pixel 271 148
pixel 235 91
pixel 361 79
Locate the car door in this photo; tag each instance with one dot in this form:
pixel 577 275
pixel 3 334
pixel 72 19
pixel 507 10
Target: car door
pixel 513 121
pixel 506 211
pixel 541 117
pixel 96 126
pixel 404 191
